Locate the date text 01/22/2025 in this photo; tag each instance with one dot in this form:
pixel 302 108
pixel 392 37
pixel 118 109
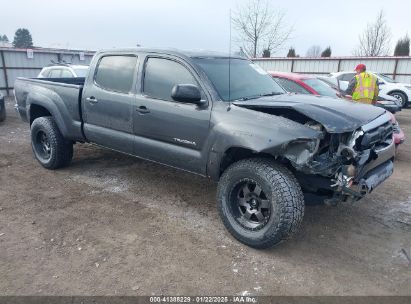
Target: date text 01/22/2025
pixel 203 299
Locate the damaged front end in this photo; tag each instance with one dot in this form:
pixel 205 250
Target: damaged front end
pixel 345 166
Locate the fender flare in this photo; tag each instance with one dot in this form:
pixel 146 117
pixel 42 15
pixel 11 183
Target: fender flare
pixel 51 106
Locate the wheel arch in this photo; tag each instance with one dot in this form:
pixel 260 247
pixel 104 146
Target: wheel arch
pixel 37 111
pixel 237 153
pixel 41 105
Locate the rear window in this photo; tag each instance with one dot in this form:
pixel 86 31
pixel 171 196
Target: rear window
pixel 116 73
pixel 81 72
pixel 65 73
pixel 55 73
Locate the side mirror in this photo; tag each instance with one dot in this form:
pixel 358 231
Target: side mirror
pixel 188 93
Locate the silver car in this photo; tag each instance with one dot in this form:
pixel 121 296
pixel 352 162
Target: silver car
pixel 63 71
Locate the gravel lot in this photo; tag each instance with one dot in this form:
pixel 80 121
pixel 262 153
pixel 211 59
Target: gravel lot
pixel 111 224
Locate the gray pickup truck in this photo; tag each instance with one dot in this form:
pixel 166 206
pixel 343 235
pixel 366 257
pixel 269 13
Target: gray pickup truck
pixel 220 117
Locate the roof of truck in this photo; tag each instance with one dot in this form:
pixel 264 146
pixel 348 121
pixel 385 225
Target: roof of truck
pixel 171 51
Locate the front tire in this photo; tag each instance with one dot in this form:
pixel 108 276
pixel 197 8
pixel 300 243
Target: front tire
pixel 260 202
pixel 49 146
pixel 401 97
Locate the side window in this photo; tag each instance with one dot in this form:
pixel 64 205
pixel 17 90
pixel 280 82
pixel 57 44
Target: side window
pixel 161 75
pixel 116 73
pixel 348 76
pixel 45 73
pixel 65 73
pixel 55 73
pixel 292 87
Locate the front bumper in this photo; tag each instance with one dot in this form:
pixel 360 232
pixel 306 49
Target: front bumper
pixel 375 177
pixel 382 156
pixel 393 108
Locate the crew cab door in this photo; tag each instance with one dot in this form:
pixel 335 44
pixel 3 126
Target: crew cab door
pixel 167 131
pixel 107 102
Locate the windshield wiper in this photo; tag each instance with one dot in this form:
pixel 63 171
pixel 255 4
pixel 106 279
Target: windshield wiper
pixel 260 95
pixel 272 94
pixel 249 97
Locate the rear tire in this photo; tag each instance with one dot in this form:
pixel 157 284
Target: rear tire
pixel 3 114
pixel 49 146
pixel 260 202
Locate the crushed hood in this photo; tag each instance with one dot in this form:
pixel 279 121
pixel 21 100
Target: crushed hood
pixel 336 115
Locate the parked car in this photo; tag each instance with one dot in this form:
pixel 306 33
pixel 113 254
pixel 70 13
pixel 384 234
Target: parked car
pixel 265 148
pixel 387 85
pixel 384 101
pixel 303 84
pixel 316 85
pixel 64 71
pixel 399 136
pixel 2 108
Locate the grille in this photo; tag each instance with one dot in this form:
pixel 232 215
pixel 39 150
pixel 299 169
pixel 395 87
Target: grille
pixel 396 127
pixel 379 137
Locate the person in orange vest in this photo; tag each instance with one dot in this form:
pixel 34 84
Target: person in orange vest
pixel 364 86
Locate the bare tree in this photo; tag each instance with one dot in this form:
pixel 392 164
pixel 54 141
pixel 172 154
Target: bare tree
pixel 260 28
pixel 314 51
pixel 375 39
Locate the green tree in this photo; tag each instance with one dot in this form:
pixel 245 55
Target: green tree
pixel 403 47
pixel 326 52
pixel 291 52
pixel 4 38
pixel 22 38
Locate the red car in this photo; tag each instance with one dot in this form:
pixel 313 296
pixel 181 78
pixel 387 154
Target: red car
pixel 304 84
pixel 307 84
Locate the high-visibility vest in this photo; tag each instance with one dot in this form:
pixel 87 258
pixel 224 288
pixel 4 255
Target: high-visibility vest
pixel 365 87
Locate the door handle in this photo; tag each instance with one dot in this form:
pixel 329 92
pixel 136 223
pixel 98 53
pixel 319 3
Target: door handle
pixel 143 110
pixel 92 99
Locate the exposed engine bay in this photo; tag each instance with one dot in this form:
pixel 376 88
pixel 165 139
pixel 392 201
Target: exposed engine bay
pixel 340 166
pixel 354 162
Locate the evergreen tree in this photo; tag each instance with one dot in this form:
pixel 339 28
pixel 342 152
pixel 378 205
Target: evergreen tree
pixel 326 52
pixel 22 38
pixel 4 38
pixel 403 47
pixel 291 53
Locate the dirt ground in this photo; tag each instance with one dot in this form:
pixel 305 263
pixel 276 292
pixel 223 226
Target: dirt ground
pixel 111 224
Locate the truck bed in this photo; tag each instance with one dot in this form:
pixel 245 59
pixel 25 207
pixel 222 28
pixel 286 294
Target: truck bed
pixel 62 96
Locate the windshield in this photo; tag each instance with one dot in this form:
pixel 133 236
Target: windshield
pixel 81 72
pixel 319 86
pixel 247 80
pixel 386 78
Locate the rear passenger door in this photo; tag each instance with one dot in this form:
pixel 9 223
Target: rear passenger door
pixel 107 102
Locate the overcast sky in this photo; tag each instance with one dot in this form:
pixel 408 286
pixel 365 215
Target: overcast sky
pixel 192 24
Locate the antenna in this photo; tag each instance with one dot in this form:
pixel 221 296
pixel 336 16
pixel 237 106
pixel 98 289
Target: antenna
pixel 229 69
